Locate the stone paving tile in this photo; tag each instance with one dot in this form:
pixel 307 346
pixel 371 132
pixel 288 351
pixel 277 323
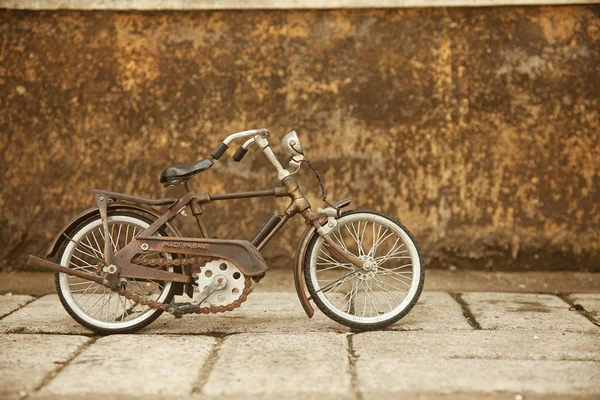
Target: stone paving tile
pixel 136 365
pixel 435 311
pixel 509 345
pixel 377 374
pixel 44 315
pixel 10 303
pixel 519 311
pixel 589 301
pixel 469 364
pixel 26 360
pixel 301 365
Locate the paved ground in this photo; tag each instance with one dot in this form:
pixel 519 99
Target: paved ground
pixel 478 344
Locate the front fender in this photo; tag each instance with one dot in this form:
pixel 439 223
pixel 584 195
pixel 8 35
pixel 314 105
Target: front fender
pixel 75 222
pixel 299 262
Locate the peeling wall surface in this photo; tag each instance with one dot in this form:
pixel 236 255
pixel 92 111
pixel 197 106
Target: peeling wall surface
pixel 476 128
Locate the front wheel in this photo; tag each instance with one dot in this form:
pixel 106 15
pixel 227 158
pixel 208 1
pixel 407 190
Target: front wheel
pixel 379 294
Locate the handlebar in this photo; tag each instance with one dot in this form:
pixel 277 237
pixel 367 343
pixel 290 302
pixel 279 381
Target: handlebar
pixel 258 137
pixel 223 146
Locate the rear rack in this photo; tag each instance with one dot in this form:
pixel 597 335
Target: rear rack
pixel 135 199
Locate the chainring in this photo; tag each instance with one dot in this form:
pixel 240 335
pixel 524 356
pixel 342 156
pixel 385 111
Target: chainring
pixel 232 291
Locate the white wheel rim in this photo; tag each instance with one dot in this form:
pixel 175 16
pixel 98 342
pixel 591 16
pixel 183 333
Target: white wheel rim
pixel 104 302
pixel 324 289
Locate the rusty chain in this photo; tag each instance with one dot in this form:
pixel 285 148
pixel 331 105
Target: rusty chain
pixel 180 262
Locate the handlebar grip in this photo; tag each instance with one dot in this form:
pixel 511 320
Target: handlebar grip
pixel 219 150
pixel 239 154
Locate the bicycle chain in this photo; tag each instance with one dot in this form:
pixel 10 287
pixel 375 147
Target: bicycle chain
pixel 179 262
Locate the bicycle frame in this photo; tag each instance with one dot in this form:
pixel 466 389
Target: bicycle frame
pixel 298 205
pixel 194 202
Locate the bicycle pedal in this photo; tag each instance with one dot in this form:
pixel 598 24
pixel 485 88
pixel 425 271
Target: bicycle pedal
pixel 179 309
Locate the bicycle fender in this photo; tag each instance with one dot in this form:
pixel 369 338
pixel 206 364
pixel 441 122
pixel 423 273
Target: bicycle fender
pixel 75 222
pixel 299 282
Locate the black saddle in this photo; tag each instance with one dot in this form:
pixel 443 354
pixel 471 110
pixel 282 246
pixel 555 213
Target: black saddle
pixel 178 173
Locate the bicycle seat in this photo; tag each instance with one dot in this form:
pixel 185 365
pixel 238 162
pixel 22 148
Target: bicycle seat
pixel 175 174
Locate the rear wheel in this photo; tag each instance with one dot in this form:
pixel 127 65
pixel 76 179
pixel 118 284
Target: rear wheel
pixel 377 295
pixel 93 305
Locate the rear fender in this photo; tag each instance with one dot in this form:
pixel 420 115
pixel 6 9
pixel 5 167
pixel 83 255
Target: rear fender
pixel 85 215
pixel 299 282
pixel 70 227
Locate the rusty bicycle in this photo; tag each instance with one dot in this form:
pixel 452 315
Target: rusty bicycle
pixel 121 264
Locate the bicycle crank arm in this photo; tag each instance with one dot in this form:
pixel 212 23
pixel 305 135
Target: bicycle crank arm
pixel 179 309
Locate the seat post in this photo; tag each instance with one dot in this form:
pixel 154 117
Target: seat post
pixel 196 210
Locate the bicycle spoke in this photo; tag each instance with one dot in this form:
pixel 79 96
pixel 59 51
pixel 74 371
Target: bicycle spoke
pixel 401 281
pixel 380 281
pixel 118 236
pixel 99 298
pixel 387 291
pixel 85 253
pixel 335 266
pixel 362 236
pixel 330 260
pixel 97 244
pixel 340 240
pixel 80 283
pixel 116 308
pixel 86 289
pixel 90 246
pixel 391 253
pixel 380 240
pixel 365 301
pixel 127 234
pixel 79 267
pixel 83 261
pixel 354 291
pixel 355 239
pixel 376 298
pixel 387 270
pixel 341 283
pixel 348 295
pixel 333 283
pixel 102 305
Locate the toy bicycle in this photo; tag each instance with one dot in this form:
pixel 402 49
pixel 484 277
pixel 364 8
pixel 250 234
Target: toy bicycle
pixel 122 263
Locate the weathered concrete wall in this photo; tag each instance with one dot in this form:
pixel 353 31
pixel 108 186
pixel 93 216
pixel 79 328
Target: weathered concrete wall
pixel 477 128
